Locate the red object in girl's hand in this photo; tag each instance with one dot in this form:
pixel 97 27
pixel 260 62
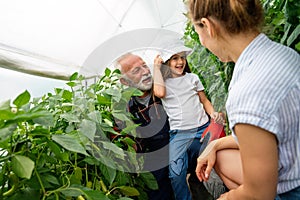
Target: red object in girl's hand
pixel 216 131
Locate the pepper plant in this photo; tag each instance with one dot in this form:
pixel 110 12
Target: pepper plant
pixel 64 145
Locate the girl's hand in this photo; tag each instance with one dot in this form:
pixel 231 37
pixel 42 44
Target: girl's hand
pixel 218 118
pixel 158 61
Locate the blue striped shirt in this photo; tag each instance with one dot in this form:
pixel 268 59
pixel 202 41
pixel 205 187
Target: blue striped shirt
pixel 265 92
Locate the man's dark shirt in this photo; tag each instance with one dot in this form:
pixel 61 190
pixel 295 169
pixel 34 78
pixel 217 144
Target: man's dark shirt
pixel 153 132
pixel 153 136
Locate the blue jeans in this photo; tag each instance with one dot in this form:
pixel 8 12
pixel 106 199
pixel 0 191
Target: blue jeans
pixel 290 195
pixel 184 151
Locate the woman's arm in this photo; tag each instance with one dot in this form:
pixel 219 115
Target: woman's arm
pixel 159 87
pixel 207 159
pixel 259 156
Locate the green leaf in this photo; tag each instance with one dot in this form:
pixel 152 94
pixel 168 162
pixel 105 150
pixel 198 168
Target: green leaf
pixel 27 193
pixel 102 156
pixel 71 84
pixel 57 90
pixel 130 128
pixel 88 128
pixel 7 115
pixel 108 173
pixel 74 76
pixel 122 178
pixel 95 116
pixel 70 143
pixel 128 141
pixel 91 161
pixel 107 72
pixel 78 173
pixel 108 122
pixel 129 191
pixel 294 35
pixel 116 95
pixel 76 190
pixel 7 131
pixel 149 180
pixel 71 192
pixel 297 46
pixel 5 105
pixel 95 195
pixel 70 117
pixel 131 91
pixel 103 100
pixel 22 166
pixel 287 29
pixel 110 146
pixel 57 151
pixel 50 179
pixel 22 99
pixel 119 114
pixel 32 115
pixel 67 95
pixel 47 120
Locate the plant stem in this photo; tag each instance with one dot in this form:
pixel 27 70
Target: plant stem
pixel 40 181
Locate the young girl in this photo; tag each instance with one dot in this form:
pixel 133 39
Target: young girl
pixel 187 106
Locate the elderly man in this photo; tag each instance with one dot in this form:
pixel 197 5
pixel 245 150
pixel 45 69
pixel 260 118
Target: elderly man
pixel 147 110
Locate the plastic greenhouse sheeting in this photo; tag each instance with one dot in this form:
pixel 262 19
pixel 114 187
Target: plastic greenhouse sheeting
pixel 55 38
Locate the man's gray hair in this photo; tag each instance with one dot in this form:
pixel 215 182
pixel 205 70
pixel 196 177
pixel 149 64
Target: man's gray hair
pixel 117 63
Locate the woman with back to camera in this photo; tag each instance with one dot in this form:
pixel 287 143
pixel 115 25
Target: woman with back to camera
pixel 261 160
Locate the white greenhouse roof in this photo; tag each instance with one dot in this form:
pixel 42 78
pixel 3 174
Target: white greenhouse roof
pixel 53 38
pixel 43 42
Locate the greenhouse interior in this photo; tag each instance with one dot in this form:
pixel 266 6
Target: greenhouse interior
pixel 65 127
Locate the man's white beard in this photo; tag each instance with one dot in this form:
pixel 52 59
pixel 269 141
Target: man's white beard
pixel 141 86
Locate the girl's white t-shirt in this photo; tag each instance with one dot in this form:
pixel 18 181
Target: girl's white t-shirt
pixel 182 102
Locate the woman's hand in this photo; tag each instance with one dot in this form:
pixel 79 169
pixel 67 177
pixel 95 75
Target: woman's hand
pixel 223 196
pixel 206 161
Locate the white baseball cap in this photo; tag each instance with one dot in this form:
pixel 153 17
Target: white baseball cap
pixel 174 47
